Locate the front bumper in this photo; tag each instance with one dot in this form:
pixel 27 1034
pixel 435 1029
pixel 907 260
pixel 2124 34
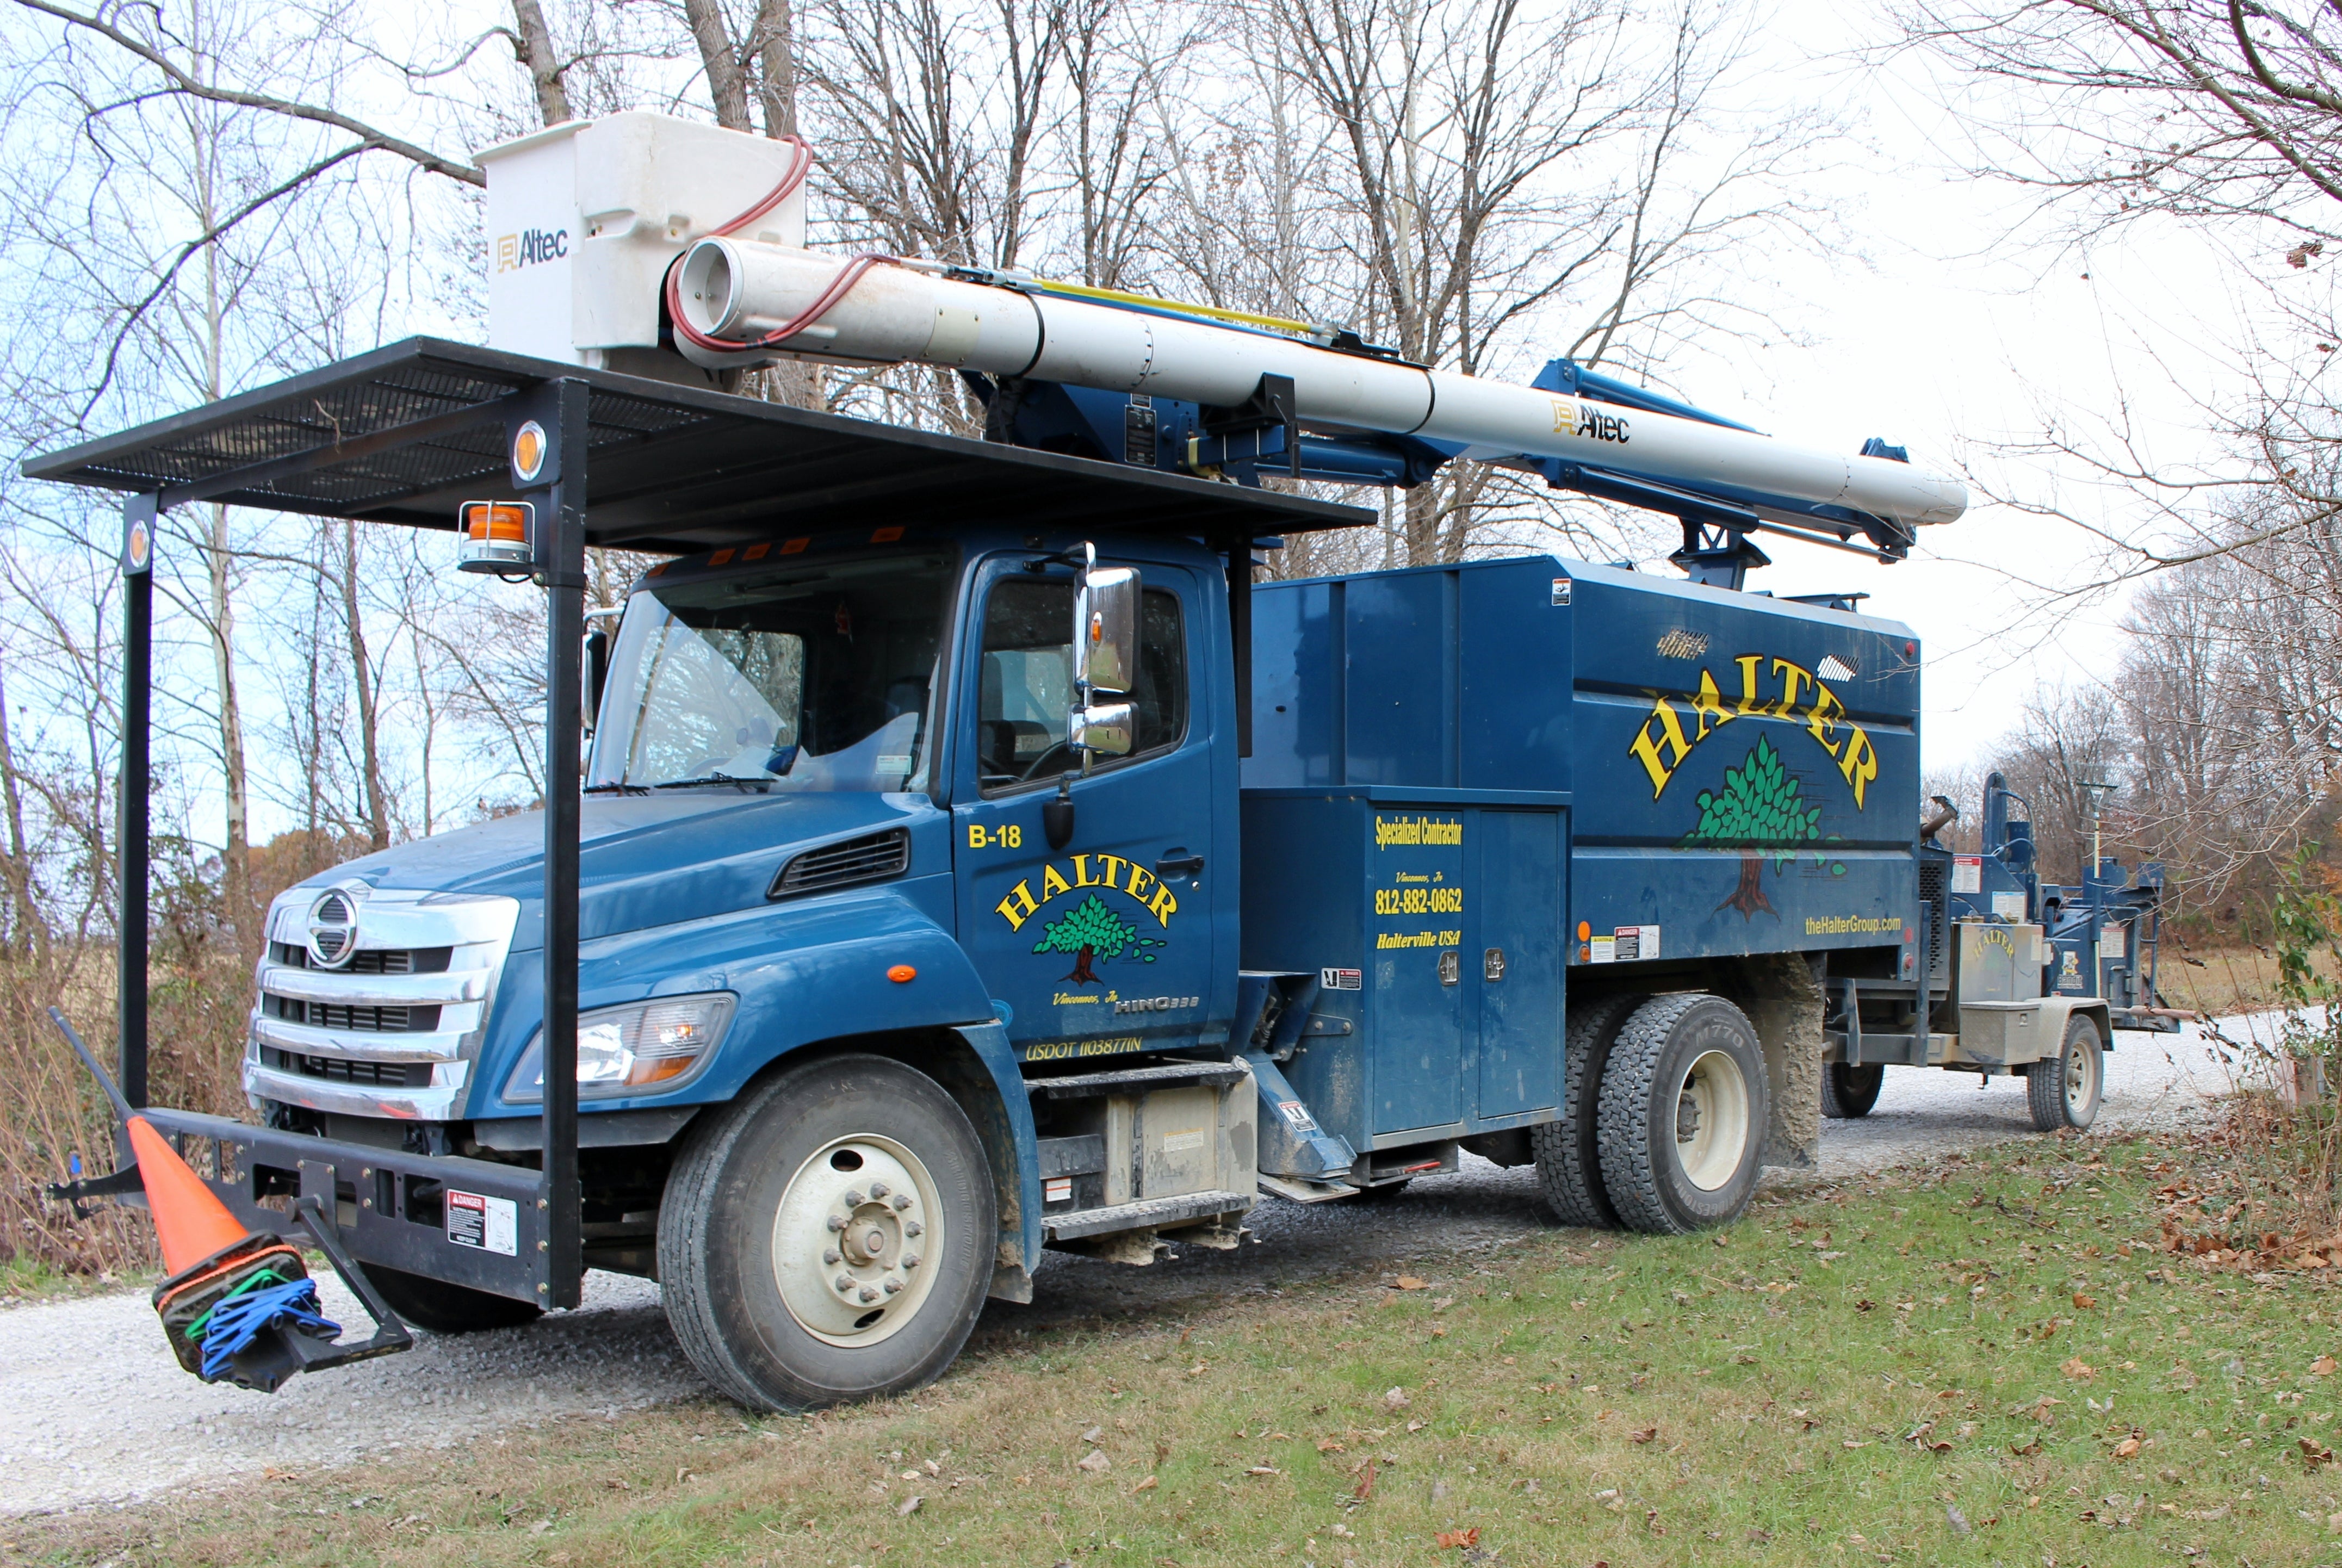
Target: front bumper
pixel 472 1223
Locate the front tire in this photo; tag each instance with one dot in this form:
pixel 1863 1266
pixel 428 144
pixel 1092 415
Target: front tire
pixel 828 1237
pixel 1850 1092
pixel 1683 1109
pixel 2063 1091
pixel 1569 1150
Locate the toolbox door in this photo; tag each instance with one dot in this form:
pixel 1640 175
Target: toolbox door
pixel 1519 961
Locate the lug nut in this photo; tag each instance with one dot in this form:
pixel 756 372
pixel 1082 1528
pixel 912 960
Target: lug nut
pixel 877 1189
pixel 843 1283
pixel 902 1201
pixel 868 1295
pixel 829 1254
pixel 893 1285
pixel 911 1227
pixel 836 1222
pixel 910 1260
pixel 853 1198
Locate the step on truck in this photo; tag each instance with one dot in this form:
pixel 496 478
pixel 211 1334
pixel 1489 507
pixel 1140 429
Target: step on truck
pixel 950 852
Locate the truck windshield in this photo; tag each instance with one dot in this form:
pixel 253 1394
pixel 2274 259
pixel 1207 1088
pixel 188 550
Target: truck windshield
pixel 814 676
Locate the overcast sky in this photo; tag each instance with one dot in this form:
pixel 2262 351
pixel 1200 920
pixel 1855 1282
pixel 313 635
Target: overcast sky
pixel 1951 332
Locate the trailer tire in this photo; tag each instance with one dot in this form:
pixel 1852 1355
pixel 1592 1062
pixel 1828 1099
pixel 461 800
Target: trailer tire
pixel 2064 1090
pixel 766 1192
pixel 1850 1092
pixel 1683 1109
pixel 437 1307
pixel 1569 1150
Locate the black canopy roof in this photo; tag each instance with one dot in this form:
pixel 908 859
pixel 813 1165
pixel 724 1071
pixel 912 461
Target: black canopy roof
pixel 407 432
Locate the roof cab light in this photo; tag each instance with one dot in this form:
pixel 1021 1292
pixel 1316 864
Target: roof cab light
pixel 495 536
pixel 642 1047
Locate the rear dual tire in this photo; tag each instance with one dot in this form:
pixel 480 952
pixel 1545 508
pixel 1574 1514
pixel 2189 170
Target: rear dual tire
pixel 1850 1092
pixel 1683 1109
pixel 828 1237
pixel 1663 1116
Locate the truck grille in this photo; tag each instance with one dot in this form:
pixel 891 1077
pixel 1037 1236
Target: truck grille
pixel 366 1019
pixel 371 959
pixel 383 1074
pixel 870 858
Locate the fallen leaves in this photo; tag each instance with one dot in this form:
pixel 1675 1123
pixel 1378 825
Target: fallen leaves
pixel 1646 1435
pixel 1149 1484
pixel 1458 1540
pixel 2084 1301
pixel 1095 1461
pixel 2314 1453
pixel 2128 1447
pixel 1364 1490
pixel 2077 1369
pixel 2324 1366
pixel 1409 1283
pixel 1397 1399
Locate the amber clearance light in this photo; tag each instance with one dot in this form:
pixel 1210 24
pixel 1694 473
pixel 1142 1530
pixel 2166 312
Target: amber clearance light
pixel 495 536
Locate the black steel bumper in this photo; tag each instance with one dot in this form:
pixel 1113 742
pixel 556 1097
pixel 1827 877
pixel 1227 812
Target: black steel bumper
pixel 464 1222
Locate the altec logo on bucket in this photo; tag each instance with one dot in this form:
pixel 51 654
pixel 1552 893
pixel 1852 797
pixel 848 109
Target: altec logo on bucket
pixel 529 247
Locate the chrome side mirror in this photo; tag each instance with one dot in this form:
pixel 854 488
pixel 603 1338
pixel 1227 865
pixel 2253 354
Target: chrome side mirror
pixel 1105 657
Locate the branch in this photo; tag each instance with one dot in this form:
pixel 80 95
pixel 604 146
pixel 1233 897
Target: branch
pixel 182 82
pixel 194 247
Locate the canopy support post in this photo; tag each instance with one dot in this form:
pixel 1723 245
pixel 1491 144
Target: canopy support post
pixel 139 516
pixel 560 410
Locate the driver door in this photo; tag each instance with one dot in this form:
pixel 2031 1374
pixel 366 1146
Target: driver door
pixel 1102 946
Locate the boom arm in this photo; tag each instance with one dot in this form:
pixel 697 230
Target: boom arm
pixel 1581 431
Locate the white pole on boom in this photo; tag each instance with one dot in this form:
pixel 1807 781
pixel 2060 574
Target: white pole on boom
pixel 873 310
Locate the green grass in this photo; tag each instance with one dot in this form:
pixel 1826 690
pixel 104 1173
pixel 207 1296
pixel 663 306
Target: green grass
pixel 1945 1369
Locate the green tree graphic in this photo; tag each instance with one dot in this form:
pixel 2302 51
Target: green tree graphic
pixel 1090 930
pixel 1758 810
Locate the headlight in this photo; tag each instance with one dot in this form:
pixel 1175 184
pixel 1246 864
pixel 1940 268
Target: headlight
pixel 631 1049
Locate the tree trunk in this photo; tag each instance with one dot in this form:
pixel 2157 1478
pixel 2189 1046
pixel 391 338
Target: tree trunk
pixel 236 840
pixel 728 84
pixel 24 928
pixel 533 47
pixel 378 809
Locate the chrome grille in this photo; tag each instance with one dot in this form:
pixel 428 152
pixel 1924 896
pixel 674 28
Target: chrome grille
pixel 366 1019
pixel 389 1074
pixel 870 858
pixel 370 960
pixel 390 1028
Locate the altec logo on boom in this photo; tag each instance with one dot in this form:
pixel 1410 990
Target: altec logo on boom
pixel 1778 689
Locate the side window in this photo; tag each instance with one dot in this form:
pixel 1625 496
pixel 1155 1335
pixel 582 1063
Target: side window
pixel 1026 685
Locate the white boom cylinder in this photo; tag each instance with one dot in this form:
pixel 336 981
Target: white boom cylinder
pixel 742 291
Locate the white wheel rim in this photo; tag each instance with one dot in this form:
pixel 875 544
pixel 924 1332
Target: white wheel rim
pixel 854 1238
pixel 2081 1075
pixel 1711 1120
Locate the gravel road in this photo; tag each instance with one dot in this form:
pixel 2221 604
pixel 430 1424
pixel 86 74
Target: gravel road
pixel 94 1410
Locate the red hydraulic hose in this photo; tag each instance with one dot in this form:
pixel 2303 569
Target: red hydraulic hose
pixel 800 164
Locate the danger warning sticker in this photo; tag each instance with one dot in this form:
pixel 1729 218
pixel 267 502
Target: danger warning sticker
pixel 491 1224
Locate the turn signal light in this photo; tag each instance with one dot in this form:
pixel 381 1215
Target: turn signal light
pixel 902 974
pixel 495 536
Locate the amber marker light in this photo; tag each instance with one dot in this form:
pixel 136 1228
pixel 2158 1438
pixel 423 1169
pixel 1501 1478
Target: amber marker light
pixel 902 975
pixel 528 452
pixel 494 536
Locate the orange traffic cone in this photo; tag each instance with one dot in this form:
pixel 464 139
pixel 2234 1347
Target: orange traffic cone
pixel 190 1221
